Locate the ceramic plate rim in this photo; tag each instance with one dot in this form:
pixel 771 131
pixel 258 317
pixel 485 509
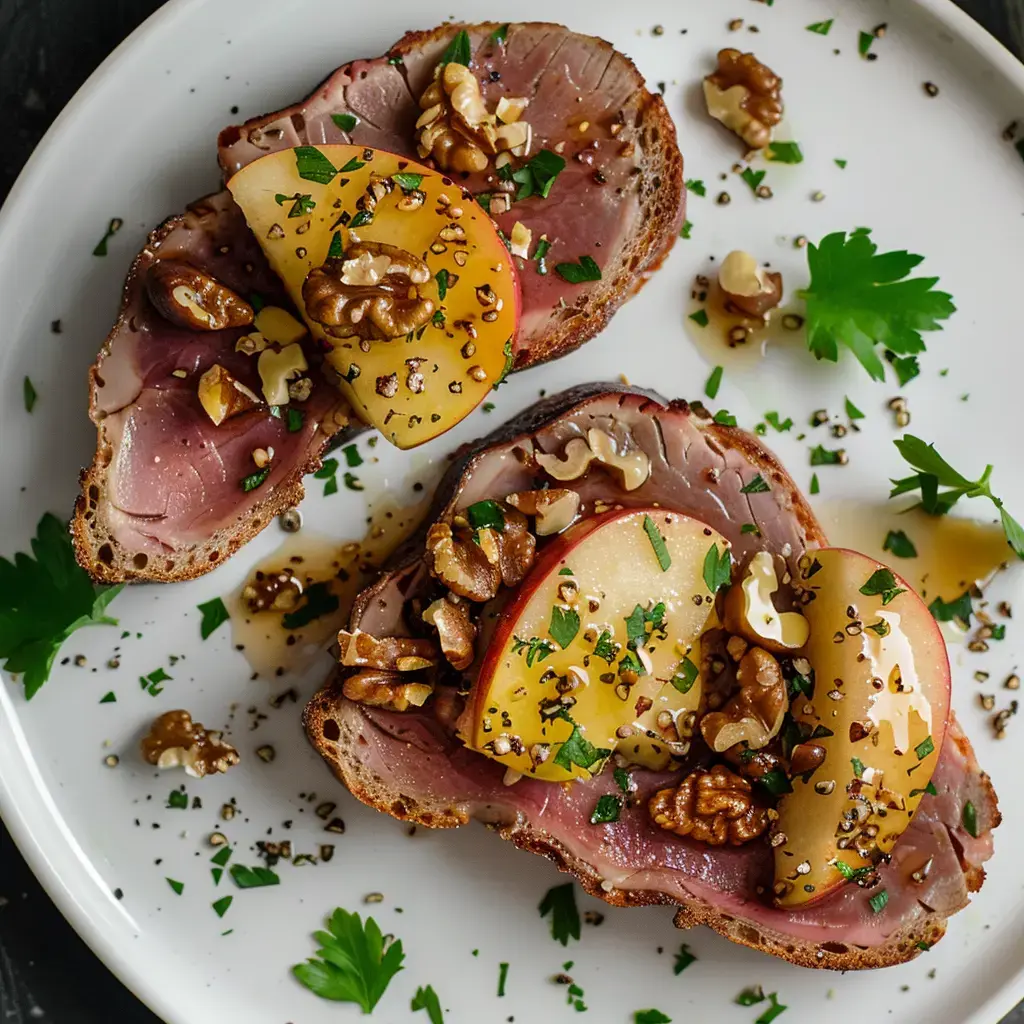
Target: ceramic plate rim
pixel 26 824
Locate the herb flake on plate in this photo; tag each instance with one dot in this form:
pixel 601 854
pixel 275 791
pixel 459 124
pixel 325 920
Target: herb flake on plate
pixel 426 999
pixel 578 273
pixel 352 965
pixel 560 902
pixel 215 614
pixel 46 596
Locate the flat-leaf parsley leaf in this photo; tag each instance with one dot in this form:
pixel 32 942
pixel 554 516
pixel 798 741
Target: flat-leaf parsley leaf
pixel 560 903
pixel 861 299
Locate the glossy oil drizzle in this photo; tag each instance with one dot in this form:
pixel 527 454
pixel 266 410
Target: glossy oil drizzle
pixel 952 552
pixel 344 566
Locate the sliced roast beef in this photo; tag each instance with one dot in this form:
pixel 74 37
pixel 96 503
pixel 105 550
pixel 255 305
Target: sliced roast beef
pixel 164 498
pixel 411 766
pixel 619 199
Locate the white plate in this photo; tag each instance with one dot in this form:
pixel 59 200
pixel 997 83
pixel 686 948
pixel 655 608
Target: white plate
pixel 931 174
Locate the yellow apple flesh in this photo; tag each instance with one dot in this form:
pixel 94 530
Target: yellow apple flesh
pixel 560 665
pixel 878 708
pixel 414 387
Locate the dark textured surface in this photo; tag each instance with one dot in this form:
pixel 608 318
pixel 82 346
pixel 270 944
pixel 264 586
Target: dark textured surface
pixel 47 49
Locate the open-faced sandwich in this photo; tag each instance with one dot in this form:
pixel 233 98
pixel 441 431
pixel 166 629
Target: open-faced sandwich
pixel 478 200
pixel 623 641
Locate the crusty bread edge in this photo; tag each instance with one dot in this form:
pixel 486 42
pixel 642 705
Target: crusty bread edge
pixel 201 558
pixel 369 789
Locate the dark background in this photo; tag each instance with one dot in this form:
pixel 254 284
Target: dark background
pixel 47 50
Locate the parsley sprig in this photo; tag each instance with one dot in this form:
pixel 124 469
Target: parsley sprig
pixel 862 299
pixel 560 903
pixel 44 598
pixel 934 472
pixel 352 964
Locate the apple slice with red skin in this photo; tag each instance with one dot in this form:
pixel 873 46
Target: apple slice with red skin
pixel 878 706
pixel 595 642
pixel 311 204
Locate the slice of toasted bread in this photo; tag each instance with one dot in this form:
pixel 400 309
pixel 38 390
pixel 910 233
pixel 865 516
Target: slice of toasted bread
pixel 409 766
pixel 630 124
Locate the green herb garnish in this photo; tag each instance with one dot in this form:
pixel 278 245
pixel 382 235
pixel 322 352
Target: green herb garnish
pixel 44 598
pixel 970 819
pixel 537 649
pixel 879 900
pixel 178 887
pixel 352 965
pixel 346 122
pixel 214 614
pixel 579 751
pixel 361 219
pixel 882 582
pixel 696 186
pixel 686 231
pixel 458 50
pixel 756 486
pixel 536 177
pixel 821 456
pixel 486 515
pixel 507 368
pixel 700 318
pixel 683 959
pixel 784 153
pixel 607 810
pixel 861 299
pixel 864 41
pixel 651 1017
pixel 899 544
pixel 858 767
pixel 409 182
pixel 924 748
pixel 312 165
pixel 335 250
pixel 751 996
pixel 254 480
pixel 441 277
pixel 29 394
pixel 780 425
pixel 426 999
pixel 853 412
pixel 177 800
pixel 658 543
pixel 605 647
pixel 717 568
pixel 714 382
pixel 317 600
pixel 822 28
pixel 577 273
pixel 112 229
pixel 500 34
pixel 935 472
pixel 220 907
pixel 565 624
pixel 776 782
pixel 560 903
pixel 753 178
pixel 815 486
pixel 773 1010
pixel 252 878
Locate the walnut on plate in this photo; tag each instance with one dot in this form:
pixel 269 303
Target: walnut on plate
pixel 449 615
pixel 392 653
pixel 713 806
pixel 174 740
pixel 754 714
pixel 375 292
pixel 746 96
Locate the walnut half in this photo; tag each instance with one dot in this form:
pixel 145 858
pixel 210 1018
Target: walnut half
pixel 712 806
pixel 746 96
pixel 392 654
pixel 191 299
pixel 754 715
pixel 374 292
pixel 174 740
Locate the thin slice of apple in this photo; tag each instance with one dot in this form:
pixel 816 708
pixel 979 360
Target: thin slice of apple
pixel 878 704
pixel 595 646
pixel 309 203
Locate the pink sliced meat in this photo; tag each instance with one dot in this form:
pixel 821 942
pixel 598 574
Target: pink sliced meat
pixel 619 199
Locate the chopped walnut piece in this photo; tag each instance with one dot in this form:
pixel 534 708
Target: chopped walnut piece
pixel 746 96
pixel 754 715
pixel 474 567
pixel 553 510
pixel 391 690
pixel 450 617
pixel 222 397
pixel 713 806
pixel 631 464
pixel 393 653
pixel 461 564
pixel 456 128
pixel 374 292
pixel 194 300
pixel 747 288
pixel 174 740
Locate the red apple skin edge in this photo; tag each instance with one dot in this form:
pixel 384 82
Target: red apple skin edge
pixel 548 563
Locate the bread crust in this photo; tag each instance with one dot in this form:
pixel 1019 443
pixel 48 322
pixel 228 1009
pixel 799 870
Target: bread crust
pixel 96 550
